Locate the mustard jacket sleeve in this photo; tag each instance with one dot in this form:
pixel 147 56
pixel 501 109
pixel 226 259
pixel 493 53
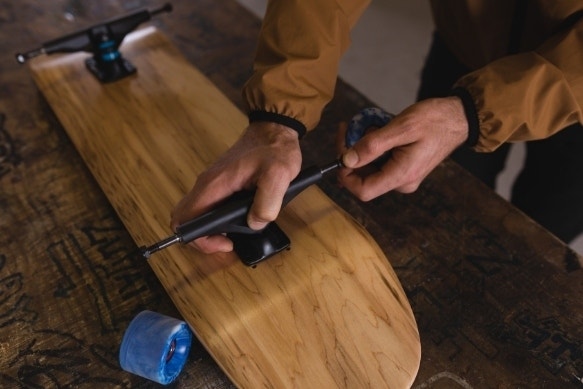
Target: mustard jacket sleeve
pixel 296 63
pixel 531 95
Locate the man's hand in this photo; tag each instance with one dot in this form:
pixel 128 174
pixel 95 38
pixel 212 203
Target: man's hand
pixel 419 138
pixel 266 158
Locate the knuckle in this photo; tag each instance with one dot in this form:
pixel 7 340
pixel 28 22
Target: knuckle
pixel 410 186
pixel 201 245
pixel 366 197
pixel 265 215
pixel 408 189
pixel 363 195
pixel 369 146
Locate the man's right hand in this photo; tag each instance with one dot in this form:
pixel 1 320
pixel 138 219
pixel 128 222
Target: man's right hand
pixel 266 158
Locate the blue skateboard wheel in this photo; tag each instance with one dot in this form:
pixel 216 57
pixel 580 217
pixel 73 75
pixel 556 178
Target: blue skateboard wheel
pixel 368 117
pixel 155 347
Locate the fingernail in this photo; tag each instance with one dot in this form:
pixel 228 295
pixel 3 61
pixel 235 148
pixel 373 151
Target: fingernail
pixel 350 159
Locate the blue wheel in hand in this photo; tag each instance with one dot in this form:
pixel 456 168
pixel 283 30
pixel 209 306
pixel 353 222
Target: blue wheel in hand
pixel 362 121
pixel 155 347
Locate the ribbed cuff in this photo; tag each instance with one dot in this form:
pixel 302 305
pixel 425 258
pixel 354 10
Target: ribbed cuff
pixel 263 116
pixel 471 115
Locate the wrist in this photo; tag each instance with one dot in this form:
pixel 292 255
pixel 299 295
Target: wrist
pixel 470 114
pixel 285 121
pixel 273 135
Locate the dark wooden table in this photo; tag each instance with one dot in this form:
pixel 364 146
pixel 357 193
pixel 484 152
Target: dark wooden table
pixel 497 299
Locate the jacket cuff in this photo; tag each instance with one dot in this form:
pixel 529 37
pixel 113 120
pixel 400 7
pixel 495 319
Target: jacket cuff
pixel 471 115
pixel 263 116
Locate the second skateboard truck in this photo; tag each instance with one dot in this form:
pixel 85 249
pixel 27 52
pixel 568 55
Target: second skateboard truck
pixel 103 41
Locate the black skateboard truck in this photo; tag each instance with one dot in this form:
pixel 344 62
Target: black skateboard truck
pixel 103 41
pixel 256 247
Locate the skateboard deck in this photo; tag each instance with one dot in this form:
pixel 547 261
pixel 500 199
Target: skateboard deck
pixel 329 312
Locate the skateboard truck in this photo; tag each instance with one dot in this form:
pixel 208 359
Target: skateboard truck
pixel 250 245
pixel 103 41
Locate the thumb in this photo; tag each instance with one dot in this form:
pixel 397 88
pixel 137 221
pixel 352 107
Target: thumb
pixel 350 159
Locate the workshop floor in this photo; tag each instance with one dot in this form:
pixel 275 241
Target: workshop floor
pixel 384 61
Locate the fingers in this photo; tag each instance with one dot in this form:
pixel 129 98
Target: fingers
pixel 213 244
pixel 377 142
pixel 419 139
pixel 370 182
pixel 204 195
pixel 273 177
pixel 365 175
pixel 271 188
pixel 267 157
pixel 210 188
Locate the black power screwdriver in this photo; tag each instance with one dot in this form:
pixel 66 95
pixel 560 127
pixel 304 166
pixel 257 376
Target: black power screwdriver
pixel 231 216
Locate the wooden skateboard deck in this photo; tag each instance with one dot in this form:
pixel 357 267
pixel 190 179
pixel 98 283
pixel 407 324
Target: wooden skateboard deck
pixel 329 312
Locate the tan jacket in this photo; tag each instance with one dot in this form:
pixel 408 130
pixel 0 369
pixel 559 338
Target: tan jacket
pixel 525 96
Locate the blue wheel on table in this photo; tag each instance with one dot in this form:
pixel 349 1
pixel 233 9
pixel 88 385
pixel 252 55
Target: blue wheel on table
pixel 155 347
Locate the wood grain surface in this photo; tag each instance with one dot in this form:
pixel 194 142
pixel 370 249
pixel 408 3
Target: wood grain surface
pixel 497 299
pixel 329 312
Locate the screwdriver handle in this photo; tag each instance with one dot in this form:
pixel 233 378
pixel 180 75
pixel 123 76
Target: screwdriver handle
pixel 307 177
pixel 231 217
